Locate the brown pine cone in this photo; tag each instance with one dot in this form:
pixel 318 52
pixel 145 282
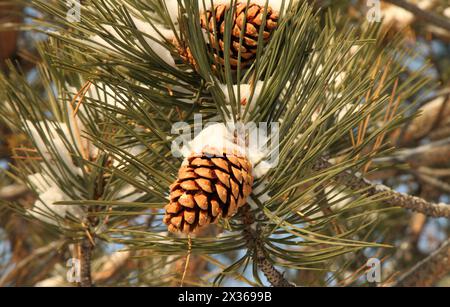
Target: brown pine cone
pixel 208 187
pixel 184 52
pixel 253 21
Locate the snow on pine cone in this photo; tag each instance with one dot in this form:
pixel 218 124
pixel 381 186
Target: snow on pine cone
pixel 208 187
pixel 252 18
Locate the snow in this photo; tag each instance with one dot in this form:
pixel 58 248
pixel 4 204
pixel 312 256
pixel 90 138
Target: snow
pixel 172 8
pixel 214 138
pixel 49 192
pixel 40 182
pixel 245 91
pixel 250 140
pixel 152 37
pixel 155 38
pixel 52 147
pixel 347 110
pixel 220 138
pixel 44 208
pixel 51 144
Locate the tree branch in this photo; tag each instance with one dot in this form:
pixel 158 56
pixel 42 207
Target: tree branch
pixel 429 17
pixel 86 255
pixel 37 253
pixel 429 154
pixel 429 271
pixel 356 182
pixel 113 265
pixel 13 192
pixel 275 278
pixel 434 114
pixel 433 181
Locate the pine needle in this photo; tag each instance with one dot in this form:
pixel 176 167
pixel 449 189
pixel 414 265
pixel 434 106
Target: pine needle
pixel 188 258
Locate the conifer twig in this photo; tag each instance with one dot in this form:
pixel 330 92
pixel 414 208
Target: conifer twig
pixel 86 255
pixel 113 265
pixel 429 17
pixel 13 192
pixel 188 257
pixel 428 271
pixel 436 152
pixel 356 181
pixel 27 260
pixel 275 278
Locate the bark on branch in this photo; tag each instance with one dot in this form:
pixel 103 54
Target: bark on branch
pixel 429 17
pixel 434 153
pixel 434 116
pixel 275 278
pixel 13 192
pixel 356 182
pixel 38 253
pixel 86 256
pixel 429 271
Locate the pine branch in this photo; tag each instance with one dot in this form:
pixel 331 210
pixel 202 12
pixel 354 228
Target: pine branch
pixel 86 256
pixel 432 118
pixel 37 253
pixel 428 271
pixel 275 278
pixel 435 182
pixel 356 182
pixel 13 192
pixel 433 153
pixel 114 265
pixel 429 17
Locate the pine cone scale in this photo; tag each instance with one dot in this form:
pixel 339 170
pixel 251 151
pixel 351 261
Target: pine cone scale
pixel 201 200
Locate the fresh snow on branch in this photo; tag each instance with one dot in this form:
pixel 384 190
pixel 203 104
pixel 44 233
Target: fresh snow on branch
pixel 154 38
pixel 219 138
pixel 51 140
pixel 244 94
pixel 45 208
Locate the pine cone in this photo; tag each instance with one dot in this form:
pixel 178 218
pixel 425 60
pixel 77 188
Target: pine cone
pixel 208 187
pixel 254 20
pixel 184 52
